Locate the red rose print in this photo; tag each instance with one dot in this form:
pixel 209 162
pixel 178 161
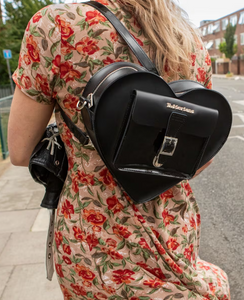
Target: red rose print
pixel 174 266
pixel 185 229
pixel 187 188
pixel 26 82
pixel 58 238
pixel 193 222
pixel 107 179
pixel 67 72
pixel 100 296
pixel 167 217
pixel 114 204
pixel 166 195
pixel 66 48
pixel 93 217
pixel 36 17
pixel 144 244
pixel 188 252
pixel 154 283
pixel 70 163
pixel 78 290
pixel 122 276
pixel 87 283
pixel 59 270
pixel 87 46
pixel 79 234
pixel 114 37
pixel 67 260
pixel 172 243
pixel 66 249
pixel 41 84
pixel 92 240
pixel 212 288
pixel 67 209
pixel 193 59
pixel 96 228
pixel 64 27
pixel 121 231
pixel 108 289
pixel 198 219
pixel 201 76
pixel 209 85
pixel 155 232
pixel 111 251
pixel 28 27
pixel 160 248
pixel 140 218
pixel 84 272
pixel 86 179
pixel 32 48
pixel 75 186
pixel 109 61
pixel 27 59
pixel 208 60
pixel 94 17
pixel 56 64
pixel 112 243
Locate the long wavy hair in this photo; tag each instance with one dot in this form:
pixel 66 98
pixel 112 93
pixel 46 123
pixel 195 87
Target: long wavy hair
pixel 171 35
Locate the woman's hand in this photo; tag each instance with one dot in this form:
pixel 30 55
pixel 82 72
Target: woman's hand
pixel 203 168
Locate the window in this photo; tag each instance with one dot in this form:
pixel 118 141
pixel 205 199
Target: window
pixel 210 28
pixel 217 42
pixel 224 23
pixel 216 27
pixel 233 20
pixel 242 38
pixel 209 45
pixel 204 31
pixel 235 39
pixel 241 20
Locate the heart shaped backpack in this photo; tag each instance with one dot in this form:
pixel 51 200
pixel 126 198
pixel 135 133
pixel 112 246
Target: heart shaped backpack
pixel 150 134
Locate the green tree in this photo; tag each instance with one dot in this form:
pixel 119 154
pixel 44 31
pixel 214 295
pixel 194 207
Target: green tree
pixel 229 48
pixel 17 15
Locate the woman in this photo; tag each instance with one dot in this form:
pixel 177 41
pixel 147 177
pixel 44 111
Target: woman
pixel 105 246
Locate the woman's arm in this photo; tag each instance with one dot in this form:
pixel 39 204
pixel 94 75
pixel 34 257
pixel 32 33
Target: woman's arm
pixel 27 122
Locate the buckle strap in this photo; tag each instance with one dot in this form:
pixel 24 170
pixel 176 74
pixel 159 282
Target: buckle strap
pixel 78 133
pixel 176 121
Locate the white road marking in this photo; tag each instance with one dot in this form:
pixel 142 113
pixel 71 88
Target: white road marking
pixel 238 126
pixel 241 102
pixel 241 116
pixel 236 137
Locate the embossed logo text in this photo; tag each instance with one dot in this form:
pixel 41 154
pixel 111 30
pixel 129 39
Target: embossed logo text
pixel 177 107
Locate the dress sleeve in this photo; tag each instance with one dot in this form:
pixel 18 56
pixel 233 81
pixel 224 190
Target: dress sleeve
pixel 202 65
pixel 36 72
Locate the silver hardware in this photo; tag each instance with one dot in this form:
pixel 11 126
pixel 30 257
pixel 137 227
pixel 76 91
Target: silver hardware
pixel 52 140
pixel 167 148
pixel 56 162
pixel 83 101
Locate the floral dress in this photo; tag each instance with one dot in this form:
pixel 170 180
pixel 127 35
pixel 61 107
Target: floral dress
pixel 105 246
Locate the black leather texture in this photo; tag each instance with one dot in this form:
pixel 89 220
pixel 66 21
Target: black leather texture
pixel 48 165
pixel 128 122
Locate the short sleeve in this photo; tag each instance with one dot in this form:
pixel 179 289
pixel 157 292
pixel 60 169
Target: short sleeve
pixel 202 65
pixel 35 75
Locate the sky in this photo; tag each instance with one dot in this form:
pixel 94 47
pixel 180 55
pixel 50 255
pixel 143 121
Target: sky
pixel 209 9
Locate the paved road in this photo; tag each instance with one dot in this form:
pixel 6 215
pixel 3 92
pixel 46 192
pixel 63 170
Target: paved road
pixel 220 195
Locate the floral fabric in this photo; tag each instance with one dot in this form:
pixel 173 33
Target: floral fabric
pixel 105 246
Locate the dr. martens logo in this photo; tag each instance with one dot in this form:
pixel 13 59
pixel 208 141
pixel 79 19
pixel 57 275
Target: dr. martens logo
pixel 177 107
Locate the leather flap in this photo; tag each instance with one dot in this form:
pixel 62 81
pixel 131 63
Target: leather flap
pixel 154 110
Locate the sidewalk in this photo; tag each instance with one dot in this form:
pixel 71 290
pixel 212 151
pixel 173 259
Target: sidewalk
pixel 23 231
pixel 234 77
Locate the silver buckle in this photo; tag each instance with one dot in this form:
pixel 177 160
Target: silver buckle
pixel 167 148
pixel 83 102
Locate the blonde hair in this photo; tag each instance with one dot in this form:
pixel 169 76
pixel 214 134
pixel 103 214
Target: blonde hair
pixel 167 27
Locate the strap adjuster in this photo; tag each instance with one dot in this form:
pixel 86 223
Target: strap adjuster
pixel 167 148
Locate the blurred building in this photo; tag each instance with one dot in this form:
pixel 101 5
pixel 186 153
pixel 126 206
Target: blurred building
pixel 213 34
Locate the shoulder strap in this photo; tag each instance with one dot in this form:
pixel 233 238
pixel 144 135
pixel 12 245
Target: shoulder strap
pixel 132 43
